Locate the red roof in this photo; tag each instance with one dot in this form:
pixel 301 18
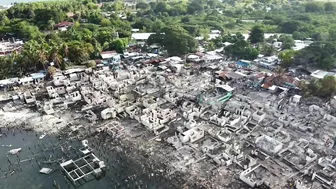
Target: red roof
pixel 63 24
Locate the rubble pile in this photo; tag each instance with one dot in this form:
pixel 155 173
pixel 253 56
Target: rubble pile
pixel 223 128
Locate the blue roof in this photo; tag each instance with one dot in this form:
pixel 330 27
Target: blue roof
pixel 37 75
pixel 244 64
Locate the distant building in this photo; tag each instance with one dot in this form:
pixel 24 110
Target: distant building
pixel 141 38
pixel 63 26
pixel 215 32
pixel 320 74
pixel 135 30
pixel 6 48
pixel 70 14
pixel 299 44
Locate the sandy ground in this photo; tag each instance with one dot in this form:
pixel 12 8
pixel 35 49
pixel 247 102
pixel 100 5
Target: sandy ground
pixel 34 120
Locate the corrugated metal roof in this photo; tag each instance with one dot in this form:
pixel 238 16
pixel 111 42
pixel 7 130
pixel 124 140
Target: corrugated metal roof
pixel 37 75
pixel 141 36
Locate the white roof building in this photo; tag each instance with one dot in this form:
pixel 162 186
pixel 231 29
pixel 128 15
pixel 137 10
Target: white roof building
pixel 299 44
pixel 320 74
pixel 215 32
pixel 135 30
pixel 141 36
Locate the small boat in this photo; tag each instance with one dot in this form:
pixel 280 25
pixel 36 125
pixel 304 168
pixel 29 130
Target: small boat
pixel 42 136
pixel 15 151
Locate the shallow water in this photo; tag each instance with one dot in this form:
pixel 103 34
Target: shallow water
pixel 123 171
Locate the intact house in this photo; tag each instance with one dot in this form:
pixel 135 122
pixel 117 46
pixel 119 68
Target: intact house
pixel 38 77
pixel 320 74
pixel 63 26
pixel 141 38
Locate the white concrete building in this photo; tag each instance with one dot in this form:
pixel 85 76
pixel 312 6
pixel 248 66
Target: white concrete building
pixel 192 135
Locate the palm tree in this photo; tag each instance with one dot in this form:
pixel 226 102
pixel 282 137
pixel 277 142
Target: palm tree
pixel 43 51
pixel 79 52
pixel 51 24
pixel 280 76
pixel 34 54
pixel 55 53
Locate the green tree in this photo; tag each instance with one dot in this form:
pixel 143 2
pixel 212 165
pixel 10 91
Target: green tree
pixel 119 45
pixel 142 5
pixel 42 16
pixel 332 33
pixel 329 7
pixel 175 40
pixel 324 88
pixel 51 24
pixel 241 50
pixel 94 17
pixel 105 22
pixel 287 42
pixel 328 86
pixel 55 54
pixel 319 54
pixel 267 49
pixel 256 35
pixel 118 6
pixel 92 5
pixel 194 7
pixel 79 52
pixel 51 70
pixel 300 35
pixel 161 7
pixel 91 64
pixel 287 57
pixel 290 26
pixel 210 46
pixel 313 7
pixel 328 62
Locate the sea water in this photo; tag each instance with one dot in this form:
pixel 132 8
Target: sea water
pixel 8 2
pixel 123 171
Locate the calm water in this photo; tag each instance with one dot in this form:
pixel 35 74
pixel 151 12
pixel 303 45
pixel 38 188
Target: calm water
pixel 124 171
pixel 8 2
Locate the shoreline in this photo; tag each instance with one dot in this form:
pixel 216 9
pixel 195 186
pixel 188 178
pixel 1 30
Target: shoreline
pixel 133 147
pixel 24 1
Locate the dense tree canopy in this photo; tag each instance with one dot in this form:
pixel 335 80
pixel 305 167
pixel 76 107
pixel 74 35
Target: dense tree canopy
pixel 287 42
pixel 325 88
pixel 175 40
pixel 240 49
pixel 319 54
pixel 256 35
pixel 176 24
pixel 287 57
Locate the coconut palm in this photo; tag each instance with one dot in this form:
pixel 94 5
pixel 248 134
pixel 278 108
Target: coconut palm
pixel 55 54
pixel 280 76
pixel 79 52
